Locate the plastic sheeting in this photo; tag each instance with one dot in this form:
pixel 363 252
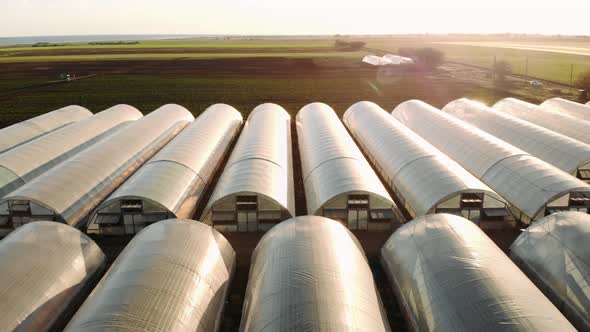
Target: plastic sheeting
pixel 176 177
pixel 46 270
pixel 261 162
pixel 568 126
pixel 310 274
pixel 67 192
pixel 375 60
pixel 173 276
pixel 527 183
pixel 332 164
pixel 567 107
pixel 27 161
pixel 25 131
pixel 387 60
pixel 420 173
pixel 449 276
pixel 397 59
pixel 554 253
pixel 560 151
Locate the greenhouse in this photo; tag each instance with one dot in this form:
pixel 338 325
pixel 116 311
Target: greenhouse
pixel 171 184
pixel 533 187
pixel 565 125
pixel 310 274
pixel 375 60
pixel 395 59
pixel 449 276
pixel 567 107
pixel 561 151
pixel 555 255
pixel 339 182
pixel 423 179
pixel 47 269
pixel 69 191
pixel 173 276
pixel 25 131
pixel 255 190
pixel 21 164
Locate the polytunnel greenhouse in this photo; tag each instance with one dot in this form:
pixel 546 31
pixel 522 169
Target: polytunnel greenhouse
pixel 565 125
pixel 255 190
pixel 554 253
pixel 339 182
pixel 567 107
pixel 533 187
pixel 173 276
pixel 69 191
pixel 47 269
pixel 423 179
pixel 310 274
pixel 25 131
pixel 449 276
pixel 21 164
pixel 375 60
pixel 171 184
pixel 563 152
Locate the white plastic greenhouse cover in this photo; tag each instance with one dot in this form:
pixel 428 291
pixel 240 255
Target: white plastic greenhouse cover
pixel 375 60
pixel 554 253
pixel 25 131
pixel 67 192
pixel 261 162
pixel 422 175
pixel 527 183
pixel 171 183
pixel 333 166
pixel 47 268
pixel 397 59
pixel 27 161
pixel 559 150
pixel 173 276
pixel 568 126
pixel 310 274
pixel 449 276
pixel 567 107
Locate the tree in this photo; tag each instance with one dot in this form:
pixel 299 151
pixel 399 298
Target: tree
pixel 343 45
pixel 583 83
pixel 501 69
pixel 339 44
pixel 356 45
pixel 428 58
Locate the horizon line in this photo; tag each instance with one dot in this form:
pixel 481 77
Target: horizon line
pixel 205 35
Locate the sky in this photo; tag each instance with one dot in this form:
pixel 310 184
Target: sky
pixel 295 17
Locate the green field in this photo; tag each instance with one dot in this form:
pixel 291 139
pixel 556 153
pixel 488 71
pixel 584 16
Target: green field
pixel 548 60
pixel 292 72
pixel 549 64
pixel 238 43
pixel 165 56
pixel 147 92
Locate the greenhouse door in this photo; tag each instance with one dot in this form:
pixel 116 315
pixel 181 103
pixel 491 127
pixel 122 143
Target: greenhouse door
pixel 358 212
pixel 358 219
pixel 131 211
pixel 247 213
